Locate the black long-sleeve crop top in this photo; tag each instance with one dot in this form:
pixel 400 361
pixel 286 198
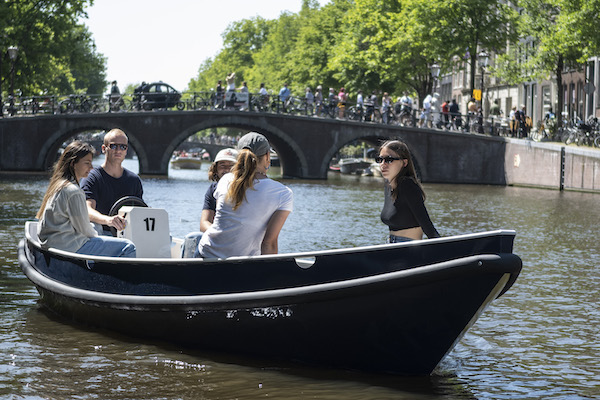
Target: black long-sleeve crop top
pixel 408 210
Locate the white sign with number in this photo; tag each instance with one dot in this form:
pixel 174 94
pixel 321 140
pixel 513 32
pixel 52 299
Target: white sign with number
pixel 148 229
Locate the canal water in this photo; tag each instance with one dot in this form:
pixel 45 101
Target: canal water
pixel 540 340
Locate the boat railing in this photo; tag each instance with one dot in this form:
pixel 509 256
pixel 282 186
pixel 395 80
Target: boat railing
pixel 300 257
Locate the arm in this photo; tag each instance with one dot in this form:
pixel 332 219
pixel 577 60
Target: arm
pixel 78 215
pixel 417 207
pixel 270 244
pixel 115 221
pixel 206 220
pixel 209 208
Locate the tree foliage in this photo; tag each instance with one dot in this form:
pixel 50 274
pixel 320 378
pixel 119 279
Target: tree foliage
pixel 554 34
pixel 389 45
pixel 56 53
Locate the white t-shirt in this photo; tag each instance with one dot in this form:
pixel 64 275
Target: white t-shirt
pixel 241 232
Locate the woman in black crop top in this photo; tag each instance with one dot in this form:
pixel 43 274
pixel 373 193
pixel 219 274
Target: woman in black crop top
pixel 403 208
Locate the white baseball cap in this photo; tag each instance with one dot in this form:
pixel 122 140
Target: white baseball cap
pixel 227 155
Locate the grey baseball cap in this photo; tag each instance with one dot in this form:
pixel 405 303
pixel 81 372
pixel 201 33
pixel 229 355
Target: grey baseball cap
pixel 255 142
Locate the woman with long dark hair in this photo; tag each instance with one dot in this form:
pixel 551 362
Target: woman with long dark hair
pixel 251 208
pixel 64 222
pixel 403 208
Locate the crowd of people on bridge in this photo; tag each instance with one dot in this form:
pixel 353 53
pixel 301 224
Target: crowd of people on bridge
pixel 433 112
pixel 243 211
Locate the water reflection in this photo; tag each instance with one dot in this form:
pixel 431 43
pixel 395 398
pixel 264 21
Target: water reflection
pixel 540 340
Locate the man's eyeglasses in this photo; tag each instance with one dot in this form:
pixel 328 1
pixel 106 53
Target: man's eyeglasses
pixel 387 160
pixel 115 146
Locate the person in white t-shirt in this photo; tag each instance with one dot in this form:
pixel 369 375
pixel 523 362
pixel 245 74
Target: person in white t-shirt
pixel 251 208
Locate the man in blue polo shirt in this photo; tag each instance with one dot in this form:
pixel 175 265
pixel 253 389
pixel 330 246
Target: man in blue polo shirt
pixel 110 182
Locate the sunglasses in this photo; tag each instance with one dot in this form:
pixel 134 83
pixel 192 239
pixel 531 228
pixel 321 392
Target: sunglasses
pixel 387 160
pixel 115 146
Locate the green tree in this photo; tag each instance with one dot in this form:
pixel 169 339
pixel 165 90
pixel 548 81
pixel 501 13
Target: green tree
pixel 363 56
pixel 391 44
pixel 272 61
pixel 319 31
pixel 455 30
pixel 56 53
pixel 241 41
pixel 558 33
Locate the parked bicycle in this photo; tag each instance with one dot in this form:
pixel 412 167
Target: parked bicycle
pixel 326 108
pixel 405 115
pixel 356 113
pixel 119 103
pixel 81 103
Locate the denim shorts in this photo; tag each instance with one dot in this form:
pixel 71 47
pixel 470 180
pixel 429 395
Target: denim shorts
pixel 397 239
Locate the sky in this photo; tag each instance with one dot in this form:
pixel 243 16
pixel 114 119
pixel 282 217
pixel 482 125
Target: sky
pixel 167 40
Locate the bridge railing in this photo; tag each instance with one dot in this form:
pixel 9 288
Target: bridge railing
pixel 255 102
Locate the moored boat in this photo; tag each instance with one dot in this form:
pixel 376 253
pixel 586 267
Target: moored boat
pixel 186 162
pixel 393 308
pixel 353 165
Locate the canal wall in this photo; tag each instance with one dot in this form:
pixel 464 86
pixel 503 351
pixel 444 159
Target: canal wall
pixel 552 166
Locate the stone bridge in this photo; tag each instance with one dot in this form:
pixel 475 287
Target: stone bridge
pixel 305 145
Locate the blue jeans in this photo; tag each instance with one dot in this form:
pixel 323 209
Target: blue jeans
pixel 190 245
pixel 398 239
pixel 108 247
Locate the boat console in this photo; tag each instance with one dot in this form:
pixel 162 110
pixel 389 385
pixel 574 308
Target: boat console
pixel 148 229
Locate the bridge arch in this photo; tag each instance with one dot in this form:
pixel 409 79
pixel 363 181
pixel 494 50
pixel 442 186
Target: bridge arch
pixel 48 154
pixel 290 154
pixel 305 144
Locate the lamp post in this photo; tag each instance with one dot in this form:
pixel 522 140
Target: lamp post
pixel 435 72
pixel 483 58
pixel 13 51
pixel 1 100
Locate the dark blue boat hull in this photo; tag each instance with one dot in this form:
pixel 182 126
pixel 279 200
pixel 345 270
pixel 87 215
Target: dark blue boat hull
pixel 393 308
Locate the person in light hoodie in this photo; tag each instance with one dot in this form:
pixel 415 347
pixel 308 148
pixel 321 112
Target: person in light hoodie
pixel 64 222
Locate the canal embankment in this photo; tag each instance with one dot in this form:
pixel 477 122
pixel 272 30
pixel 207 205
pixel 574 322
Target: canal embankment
pixel 552 166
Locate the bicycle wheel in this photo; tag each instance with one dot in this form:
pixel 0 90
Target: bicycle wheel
pixel 101 106
pixel 85 107
pixel 536 135
pixel 406 120
pixel 376 116
pixel 126 105
pixel 199 103
pixel 597 141
pixel 352 114
pixel 64 106
pixel 568 136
